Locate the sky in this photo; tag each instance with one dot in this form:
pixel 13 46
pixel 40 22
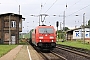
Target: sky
pixel 49 7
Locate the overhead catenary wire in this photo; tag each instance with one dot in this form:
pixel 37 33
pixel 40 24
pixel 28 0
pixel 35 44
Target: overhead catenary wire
pixel 42 5
pixel 40 8
pixel 70 6
pixel 73 4
pixel 51 6
pixel 45 2
pixel 17 2
pixel 78 10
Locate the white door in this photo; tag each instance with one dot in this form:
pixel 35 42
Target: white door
pixel 13 39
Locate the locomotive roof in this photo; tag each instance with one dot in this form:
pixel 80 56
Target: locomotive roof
pixel 44 27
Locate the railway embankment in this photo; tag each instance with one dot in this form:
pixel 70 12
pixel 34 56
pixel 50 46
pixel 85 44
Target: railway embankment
pixel 77 44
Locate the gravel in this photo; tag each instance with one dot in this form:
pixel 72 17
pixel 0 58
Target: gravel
pixel 69 55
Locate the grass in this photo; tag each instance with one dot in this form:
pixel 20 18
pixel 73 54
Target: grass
pixel 75 44
pixel 27 35
pixel 6 48
pixel 23 43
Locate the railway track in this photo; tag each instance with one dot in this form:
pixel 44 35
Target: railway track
pixel 63 53
pixel 52 56
pixel 85 51
pixel 71 53
pixel 49 55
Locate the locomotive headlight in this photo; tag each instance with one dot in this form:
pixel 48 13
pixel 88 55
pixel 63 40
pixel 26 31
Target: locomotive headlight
pixel 52 40
pixel 41 37
pixel 40 41
pixel 51 37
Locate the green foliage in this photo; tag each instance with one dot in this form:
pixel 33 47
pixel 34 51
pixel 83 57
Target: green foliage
pixel 60 31
pixel 89 23
pixel 27 35
pixel 23 43
pixel 60 35
pixel 66 28
pixel 75 44
pixel 32 30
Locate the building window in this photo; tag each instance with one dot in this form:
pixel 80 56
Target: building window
pixel 6 24
pixel 13 23
pixel 76 31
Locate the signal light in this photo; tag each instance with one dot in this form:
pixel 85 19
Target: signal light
pixel 57 24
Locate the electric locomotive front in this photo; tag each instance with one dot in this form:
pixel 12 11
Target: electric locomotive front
pixel 46 37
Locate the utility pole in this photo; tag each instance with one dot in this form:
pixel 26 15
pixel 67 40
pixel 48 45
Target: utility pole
pixel 10 41
pixel 60 26
pixel 39 20
pixel 19 9
pixel 84 28
pixel 64 21
pixel 60 29
pixel 9 31
pixel 63 26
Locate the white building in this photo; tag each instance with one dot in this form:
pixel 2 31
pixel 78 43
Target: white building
pixel 78 33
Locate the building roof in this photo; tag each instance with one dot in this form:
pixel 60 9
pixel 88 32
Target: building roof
pixel 77 28
pixel 11 14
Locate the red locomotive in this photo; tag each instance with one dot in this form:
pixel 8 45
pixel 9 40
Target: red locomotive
pixel 43 37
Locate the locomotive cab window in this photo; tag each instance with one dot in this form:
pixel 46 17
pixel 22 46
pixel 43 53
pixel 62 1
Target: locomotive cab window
pixel 46 30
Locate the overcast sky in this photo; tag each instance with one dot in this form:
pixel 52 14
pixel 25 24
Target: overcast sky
pixel 49 7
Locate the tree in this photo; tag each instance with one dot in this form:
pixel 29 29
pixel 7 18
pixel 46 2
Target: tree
pixel 61 33
pixel 89 23
pixel 66 28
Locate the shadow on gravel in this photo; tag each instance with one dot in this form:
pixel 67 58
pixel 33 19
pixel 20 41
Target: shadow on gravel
pixel 41 50
pixel 45 50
